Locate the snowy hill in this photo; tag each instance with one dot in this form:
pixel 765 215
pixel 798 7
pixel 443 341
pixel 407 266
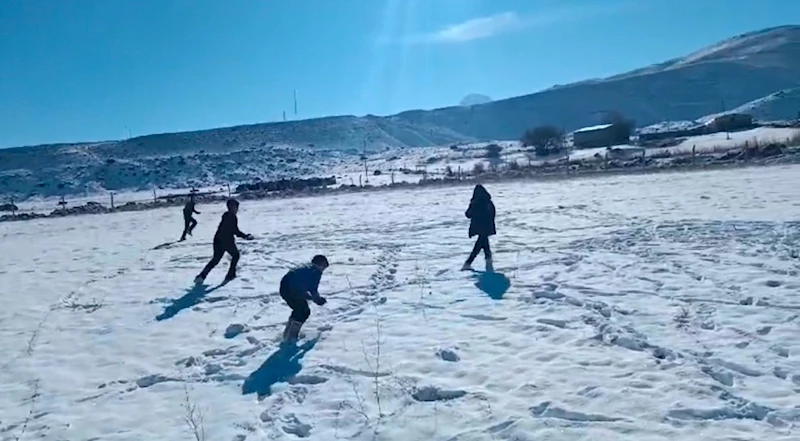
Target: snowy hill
pixel 637 308
pixel 736 72
pixel 779 106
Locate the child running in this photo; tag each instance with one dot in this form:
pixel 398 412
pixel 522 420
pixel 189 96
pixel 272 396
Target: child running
pixel 298 286
pixel 188 221
pixel 224 242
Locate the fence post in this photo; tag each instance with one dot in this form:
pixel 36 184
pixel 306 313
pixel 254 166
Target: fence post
pixel 155 198
pixel 111 193
pixel 229 189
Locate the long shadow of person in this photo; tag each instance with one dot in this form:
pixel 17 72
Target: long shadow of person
pixel 164 245
pixel 282 365
pixel 193 296
pixel 492 283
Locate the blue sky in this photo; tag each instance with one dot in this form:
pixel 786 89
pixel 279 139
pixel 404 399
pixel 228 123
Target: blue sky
pixel 84 70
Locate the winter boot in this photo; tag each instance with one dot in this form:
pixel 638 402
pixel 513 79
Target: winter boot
pixel 199 280
pixel 466 267
pixel 292 331
pixel 489 265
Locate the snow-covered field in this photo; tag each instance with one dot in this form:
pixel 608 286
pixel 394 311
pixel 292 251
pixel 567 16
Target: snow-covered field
pixel 649 307
pixel 724 140
pixel 715 142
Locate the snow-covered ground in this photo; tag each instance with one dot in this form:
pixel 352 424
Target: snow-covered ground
pixel 715 142
pixel 48 204
pixel 724 140
pixel 649 307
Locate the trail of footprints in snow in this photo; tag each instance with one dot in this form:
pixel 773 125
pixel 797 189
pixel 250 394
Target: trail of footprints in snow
pixel 382 279
pixel 211 364
pixel 718 369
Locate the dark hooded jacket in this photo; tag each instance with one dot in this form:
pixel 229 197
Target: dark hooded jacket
pixel 481 213
pixel 303 280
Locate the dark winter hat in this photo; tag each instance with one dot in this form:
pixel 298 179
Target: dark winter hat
pixel 232 203
pixel 320 260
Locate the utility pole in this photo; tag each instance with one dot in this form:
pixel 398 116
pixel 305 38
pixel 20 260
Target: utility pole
pixel 295 102
pixel 364 157
pixel 727 132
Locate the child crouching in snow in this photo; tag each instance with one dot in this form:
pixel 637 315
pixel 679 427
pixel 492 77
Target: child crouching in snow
pixel 298 286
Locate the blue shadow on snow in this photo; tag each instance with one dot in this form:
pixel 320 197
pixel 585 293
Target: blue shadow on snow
pixel 193 296
pixel 282 365
pixel 492 283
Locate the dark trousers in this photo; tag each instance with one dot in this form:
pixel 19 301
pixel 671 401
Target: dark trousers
pixel 297 301
pixel 220 248
pixel 481 244
pixel 188 225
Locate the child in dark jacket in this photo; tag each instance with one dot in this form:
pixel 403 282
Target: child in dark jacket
pixel 481 214
pixel 188 221
pixel 224 242
pixel 298 286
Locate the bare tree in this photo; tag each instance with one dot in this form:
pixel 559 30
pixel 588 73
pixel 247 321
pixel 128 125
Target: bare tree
pixel 545 140
pixel 623 127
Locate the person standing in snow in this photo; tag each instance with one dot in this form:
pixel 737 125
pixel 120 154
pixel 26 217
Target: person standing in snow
pixel 298 286
pixel 224 242
pixel 481 215
pixel 188 221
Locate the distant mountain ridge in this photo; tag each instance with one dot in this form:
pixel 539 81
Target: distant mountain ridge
pixel 732 73
pixel 475 99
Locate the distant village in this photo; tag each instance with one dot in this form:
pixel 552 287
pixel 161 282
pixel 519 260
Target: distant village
pixel 608 135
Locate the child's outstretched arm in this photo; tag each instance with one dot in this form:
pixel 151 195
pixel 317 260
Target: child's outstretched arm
pixel 238 232
pixel 314 291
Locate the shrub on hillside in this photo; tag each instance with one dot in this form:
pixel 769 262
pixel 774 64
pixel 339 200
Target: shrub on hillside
pixel 493 151
pixel 794 141
pixel 623 127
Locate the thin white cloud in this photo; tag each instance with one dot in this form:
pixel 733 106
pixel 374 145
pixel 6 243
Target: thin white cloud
pixel 477 28
pixel 506 22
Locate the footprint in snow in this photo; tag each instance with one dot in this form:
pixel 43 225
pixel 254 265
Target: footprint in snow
pixel 448 355
pixel 233 330
pixel 483 317
pixel 433 393
pixel 547 410
pixel 553 322
pixel 293 426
